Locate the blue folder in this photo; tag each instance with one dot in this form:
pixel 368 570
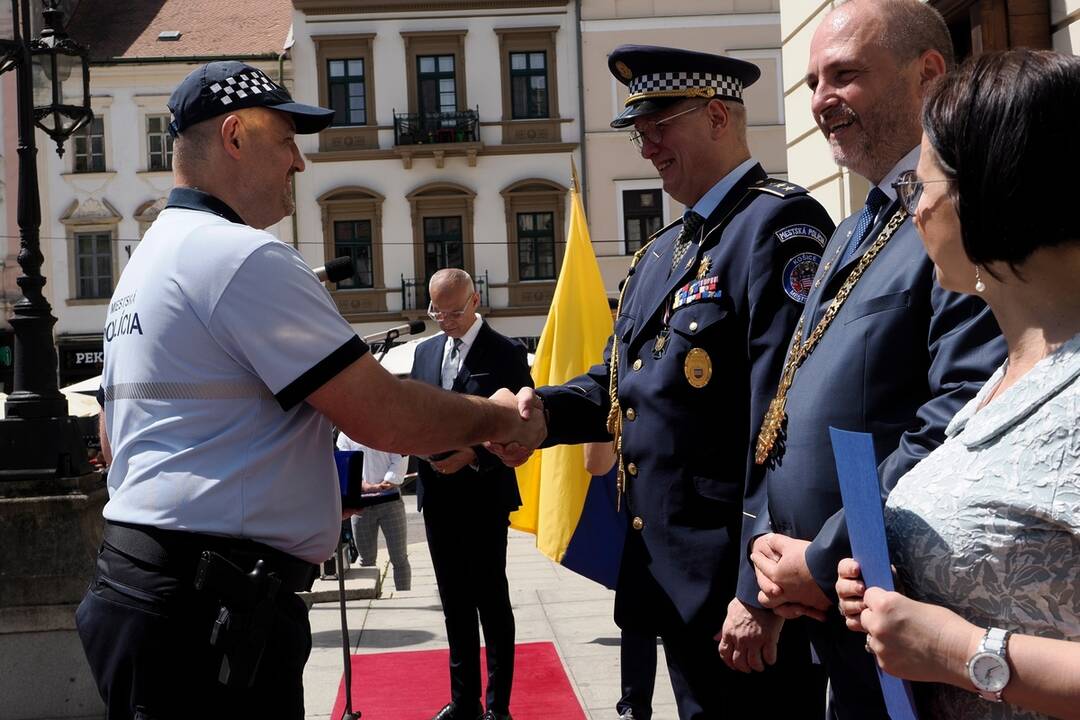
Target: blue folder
pixel 856 467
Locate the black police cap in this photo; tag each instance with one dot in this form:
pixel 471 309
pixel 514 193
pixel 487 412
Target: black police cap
pixel 221 87
pixel 660 76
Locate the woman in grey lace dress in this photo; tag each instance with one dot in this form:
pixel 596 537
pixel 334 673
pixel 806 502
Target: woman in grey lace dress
pixel 985 532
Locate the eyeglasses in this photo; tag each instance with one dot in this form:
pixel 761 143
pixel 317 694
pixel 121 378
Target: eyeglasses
pixel 440 316
pixel 653 132
pixel 909 189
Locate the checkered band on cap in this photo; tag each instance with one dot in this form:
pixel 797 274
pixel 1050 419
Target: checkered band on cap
pixel 679 83
pixel 244 83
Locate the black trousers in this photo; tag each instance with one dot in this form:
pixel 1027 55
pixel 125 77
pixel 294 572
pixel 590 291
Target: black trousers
pixel 468 553
pixel 146 634
pixel 637 670
pixel 854 685
pixel 705 688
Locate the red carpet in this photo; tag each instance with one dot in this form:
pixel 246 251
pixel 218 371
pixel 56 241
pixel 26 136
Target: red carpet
pixel 414 685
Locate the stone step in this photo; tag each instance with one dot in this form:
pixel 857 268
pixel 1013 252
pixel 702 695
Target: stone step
pixel 361 583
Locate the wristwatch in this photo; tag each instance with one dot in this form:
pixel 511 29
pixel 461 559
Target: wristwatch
pixel 988 668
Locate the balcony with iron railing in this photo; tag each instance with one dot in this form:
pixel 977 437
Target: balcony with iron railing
pixel 414 297
pixel 437 135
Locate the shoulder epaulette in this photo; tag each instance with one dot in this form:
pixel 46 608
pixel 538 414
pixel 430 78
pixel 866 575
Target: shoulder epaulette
pixel 779 188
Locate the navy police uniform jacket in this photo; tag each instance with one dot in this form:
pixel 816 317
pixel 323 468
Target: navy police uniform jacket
pixel 494 361
pixel 686 445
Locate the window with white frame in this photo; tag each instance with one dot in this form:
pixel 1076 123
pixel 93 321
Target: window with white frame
pixel 90 147
pixel 159 143
pixel 93 265
pixel 642 215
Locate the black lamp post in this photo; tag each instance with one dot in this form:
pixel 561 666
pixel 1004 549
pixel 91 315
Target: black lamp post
pixel 50 499
pixel 37 438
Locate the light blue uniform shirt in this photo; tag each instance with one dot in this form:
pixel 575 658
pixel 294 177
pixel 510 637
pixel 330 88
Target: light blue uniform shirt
pixel 211 324
pixel 708 202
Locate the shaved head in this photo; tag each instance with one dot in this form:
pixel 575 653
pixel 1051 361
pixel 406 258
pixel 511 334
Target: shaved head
pixel 451 281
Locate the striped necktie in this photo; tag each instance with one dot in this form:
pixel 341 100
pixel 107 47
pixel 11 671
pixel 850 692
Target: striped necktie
pixel 875 200
pixel 690 225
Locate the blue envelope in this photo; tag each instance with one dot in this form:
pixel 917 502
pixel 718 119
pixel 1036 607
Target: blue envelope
pixel 856 467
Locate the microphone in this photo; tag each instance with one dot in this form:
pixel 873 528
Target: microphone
pixel 413 328
pixel 336 270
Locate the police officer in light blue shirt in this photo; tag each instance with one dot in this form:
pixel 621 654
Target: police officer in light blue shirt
pixel 226 362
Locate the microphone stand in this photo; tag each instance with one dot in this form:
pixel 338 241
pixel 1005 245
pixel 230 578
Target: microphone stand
pixel 388 342
pixel 348 714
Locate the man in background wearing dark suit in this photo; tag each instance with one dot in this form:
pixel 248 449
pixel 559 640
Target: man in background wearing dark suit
pixel 467 497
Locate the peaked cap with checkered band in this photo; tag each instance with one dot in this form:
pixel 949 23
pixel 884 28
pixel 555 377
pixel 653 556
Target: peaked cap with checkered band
pixel 660 76
pixel 221 87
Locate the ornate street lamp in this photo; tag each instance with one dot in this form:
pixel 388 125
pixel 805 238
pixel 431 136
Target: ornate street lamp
pixel 60 70
pixel 50 499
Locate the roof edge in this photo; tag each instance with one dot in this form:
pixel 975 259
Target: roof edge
pixel 165 59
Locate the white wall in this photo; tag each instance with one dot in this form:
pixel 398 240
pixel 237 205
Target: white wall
pixel 124 95
pixel 389 177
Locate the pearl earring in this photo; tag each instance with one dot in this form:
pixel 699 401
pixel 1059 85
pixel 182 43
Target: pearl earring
pixel 980 286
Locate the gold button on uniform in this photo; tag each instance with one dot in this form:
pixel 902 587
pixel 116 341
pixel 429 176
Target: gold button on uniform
pixel 630 414
pixel 638 364
pixel 632 469
pixel 638 523
pixel 693 326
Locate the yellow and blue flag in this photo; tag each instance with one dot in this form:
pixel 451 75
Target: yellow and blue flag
pixel 572 513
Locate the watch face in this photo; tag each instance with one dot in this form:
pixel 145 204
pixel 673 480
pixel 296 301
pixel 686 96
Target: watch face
pixel 989 672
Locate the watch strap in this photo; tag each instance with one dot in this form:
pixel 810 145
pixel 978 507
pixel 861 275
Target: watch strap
pixel 994 641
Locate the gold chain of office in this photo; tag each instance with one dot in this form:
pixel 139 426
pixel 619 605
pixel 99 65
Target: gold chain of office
pixel 799 351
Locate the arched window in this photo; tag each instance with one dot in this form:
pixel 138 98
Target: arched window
pixel 535 220
pixel 91 226
pixel 442 220
pixel 352 226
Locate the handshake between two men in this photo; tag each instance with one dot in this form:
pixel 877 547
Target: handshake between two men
pixel 413 418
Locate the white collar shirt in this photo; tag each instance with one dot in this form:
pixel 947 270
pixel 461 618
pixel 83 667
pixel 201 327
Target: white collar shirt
pixel 452 366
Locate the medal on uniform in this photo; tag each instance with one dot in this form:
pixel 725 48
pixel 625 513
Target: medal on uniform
pixel 660 344
pixel 703 267
pixel 698 368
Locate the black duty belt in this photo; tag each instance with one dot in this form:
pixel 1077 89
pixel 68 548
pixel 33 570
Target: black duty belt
pixel 179 552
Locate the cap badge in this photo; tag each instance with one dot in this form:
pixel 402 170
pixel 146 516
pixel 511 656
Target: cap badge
pixel 624 70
